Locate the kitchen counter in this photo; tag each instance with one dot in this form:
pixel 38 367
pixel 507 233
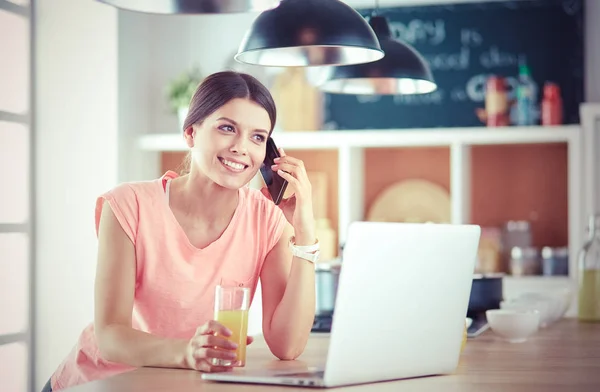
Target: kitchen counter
pixel 562 357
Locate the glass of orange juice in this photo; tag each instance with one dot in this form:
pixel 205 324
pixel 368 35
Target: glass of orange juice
pixel 231 310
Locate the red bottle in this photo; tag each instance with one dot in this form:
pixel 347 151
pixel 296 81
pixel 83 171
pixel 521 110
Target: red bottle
pixel 552 108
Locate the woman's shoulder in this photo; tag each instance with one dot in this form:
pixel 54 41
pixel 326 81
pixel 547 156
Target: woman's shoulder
pixel 134 190
pixel 130 191
pixel 128 201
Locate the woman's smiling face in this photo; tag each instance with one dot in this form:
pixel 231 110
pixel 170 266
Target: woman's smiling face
pixel 229 145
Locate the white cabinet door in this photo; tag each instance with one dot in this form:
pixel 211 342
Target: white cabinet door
pixel 590 123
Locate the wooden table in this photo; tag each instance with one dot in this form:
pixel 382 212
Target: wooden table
pixel 562 357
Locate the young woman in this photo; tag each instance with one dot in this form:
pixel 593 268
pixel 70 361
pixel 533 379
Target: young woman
pixel 165 244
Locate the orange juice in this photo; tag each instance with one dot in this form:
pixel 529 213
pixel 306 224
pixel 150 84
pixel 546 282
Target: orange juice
pixel 237 322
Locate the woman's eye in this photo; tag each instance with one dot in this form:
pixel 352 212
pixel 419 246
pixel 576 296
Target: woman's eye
pixel 227 128
pixel 260 138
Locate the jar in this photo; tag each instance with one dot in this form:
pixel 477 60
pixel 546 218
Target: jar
pixel 514 234
pixel 589 273
pixel 555 261
pixel 525 261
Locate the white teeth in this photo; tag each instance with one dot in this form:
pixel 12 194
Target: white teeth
pixel 234 165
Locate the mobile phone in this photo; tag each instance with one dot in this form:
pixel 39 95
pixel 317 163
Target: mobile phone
pixel 274 182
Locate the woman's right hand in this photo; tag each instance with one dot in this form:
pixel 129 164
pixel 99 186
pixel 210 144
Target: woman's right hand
pixel 209 343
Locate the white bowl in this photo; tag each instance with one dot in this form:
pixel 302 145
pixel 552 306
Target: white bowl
pixel 558 302
pixel 552 305
pixel 513 325
pixel 529 304
pixel 468 322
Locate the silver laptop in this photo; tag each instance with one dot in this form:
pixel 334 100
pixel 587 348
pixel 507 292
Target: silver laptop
pixel 400 309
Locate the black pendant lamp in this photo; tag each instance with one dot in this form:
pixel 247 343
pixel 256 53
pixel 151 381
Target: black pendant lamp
pixel 192 6
pixel 402 71
pixel 309 33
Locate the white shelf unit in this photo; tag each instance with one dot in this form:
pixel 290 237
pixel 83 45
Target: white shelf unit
pixel 350 145
pixel 364 138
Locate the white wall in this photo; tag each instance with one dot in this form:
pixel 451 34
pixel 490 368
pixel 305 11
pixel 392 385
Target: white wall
pixel 135 96
pixel 180 42
pixel 76 160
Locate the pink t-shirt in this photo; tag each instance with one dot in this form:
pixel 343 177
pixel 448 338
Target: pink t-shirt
pixel 175 281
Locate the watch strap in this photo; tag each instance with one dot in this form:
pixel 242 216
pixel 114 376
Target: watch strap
pixel 310 252
pixel 306 248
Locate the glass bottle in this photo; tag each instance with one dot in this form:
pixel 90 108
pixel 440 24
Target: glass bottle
pixel 589 273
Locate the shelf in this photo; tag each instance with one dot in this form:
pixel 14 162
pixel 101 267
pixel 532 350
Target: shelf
pixel 346 153
pixel 392 137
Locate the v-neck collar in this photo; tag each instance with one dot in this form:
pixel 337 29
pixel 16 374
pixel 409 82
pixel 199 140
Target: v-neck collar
pixel 169 175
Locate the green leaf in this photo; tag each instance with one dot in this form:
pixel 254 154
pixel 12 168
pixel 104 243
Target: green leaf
pixel 182 87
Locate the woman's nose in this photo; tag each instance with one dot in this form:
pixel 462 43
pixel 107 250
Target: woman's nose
pixel 239 146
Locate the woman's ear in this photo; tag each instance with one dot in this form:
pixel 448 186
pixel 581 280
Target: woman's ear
pixel 189 134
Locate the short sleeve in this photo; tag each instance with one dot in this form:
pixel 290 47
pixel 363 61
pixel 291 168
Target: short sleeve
pixel 124 204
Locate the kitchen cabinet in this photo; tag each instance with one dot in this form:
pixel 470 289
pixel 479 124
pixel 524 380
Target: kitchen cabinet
pixel 449 156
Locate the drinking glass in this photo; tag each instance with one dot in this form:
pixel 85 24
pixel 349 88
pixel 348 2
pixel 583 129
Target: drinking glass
pixel 231 310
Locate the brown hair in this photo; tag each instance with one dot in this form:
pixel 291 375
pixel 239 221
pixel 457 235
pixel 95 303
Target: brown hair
pixel 221 87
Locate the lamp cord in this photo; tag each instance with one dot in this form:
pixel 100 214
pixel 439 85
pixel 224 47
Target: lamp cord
pixel 375 11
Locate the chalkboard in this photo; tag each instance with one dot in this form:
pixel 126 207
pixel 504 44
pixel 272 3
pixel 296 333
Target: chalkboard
pixel 464 44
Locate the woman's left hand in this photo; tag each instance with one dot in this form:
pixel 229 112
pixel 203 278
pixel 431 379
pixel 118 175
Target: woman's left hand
pixel 298 208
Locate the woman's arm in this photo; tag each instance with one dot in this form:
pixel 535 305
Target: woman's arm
pixel 288 283
pixel 288 297
pixel 114 292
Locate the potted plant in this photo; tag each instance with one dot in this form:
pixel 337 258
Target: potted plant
pixel 180 91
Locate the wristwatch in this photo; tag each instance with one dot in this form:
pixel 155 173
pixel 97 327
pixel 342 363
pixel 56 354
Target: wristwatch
pixel 306 252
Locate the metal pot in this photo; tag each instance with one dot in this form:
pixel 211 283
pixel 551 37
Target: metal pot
pixel 326 280
pixel 486 293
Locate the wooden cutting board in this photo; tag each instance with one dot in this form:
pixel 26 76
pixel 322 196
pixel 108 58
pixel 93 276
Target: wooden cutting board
pixel 414 200
pixel 299 104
